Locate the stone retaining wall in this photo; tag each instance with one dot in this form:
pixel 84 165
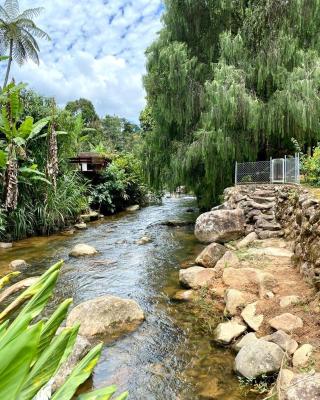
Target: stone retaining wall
pixel 282 211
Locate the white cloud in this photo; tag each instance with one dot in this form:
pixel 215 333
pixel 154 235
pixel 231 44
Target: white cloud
pixel 96 52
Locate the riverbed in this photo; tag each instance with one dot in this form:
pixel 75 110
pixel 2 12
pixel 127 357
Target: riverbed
pixel 169 357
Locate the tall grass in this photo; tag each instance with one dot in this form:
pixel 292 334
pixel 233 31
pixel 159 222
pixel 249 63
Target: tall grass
pixel 41 210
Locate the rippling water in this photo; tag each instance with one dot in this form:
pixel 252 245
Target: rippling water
pixel 168 357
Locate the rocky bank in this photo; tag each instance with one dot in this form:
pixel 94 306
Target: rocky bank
pixel 262 263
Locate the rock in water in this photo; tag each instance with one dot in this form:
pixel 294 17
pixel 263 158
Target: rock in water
pixel 210 255
pixel 105 315
pixel 220 226
pixel 16 265
pixel 135 207
pixel 258 358
pixel 196 277
pixel 81 250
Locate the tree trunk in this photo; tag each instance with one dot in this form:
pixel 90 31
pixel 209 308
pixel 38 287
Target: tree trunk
pixel 11 181
pixel 52 163
pixel 9 64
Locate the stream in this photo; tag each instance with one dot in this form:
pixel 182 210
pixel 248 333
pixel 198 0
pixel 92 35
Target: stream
pixel 168 357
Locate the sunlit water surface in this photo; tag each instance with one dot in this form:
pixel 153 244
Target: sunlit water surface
pixel 168 357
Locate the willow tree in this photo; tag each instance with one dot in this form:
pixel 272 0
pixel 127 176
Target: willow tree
pixel 230 80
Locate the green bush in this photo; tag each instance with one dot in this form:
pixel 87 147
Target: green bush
pixel 119 186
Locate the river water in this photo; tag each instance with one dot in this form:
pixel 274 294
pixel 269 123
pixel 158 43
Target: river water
pixel 169 357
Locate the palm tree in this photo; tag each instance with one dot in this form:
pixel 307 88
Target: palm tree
pixel 18 33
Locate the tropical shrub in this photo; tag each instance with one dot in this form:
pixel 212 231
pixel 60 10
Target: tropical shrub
pixel 119 186
pixel 32 352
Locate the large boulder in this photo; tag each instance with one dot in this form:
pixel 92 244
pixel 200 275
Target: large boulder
pixel 304 387
pixel 258 358
pixel 106 315
pixel 220 226
pixel 210 255
pixel 81 250
pixel 247 339
pixel 196 277
pixel 227 331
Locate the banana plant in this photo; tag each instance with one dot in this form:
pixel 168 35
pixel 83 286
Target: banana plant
pixel 17 134
pixel 32 353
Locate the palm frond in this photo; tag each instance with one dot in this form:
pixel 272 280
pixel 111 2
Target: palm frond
pixel 30 13
pixel 12 8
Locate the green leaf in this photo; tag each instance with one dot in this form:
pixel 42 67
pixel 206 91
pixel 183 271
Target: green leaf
pixel 99 394
pixel 123 396
pixel 38 126
pixel 33 290
pixel 52 325
pixel 8 278
pixel 16 358
pixel 26 127
pixel 3 328
pixel 47 364
pixel 3 158
pixel 79 375
pixel 19 141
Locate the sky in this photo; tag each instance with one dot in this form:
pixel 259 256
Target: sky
pixel 97 52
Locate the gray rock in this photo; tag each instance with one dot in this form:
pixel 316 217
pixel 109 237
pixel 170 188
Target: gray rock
pixel 228 331
pixel 258 358
pixel 287 301
pixel 247 339
pixel 304 387
pixel 81 250
pixel 283 340
pixel 247 240
pixel 250 318
pixel 210 255
pixel 105 315
pixel 220 226
pixel 4 245
pixel 81 226
pixel 286 322
pixel 302 356
pixel 196 277
pixel 135 207
pixel 235 299
pixel 16 265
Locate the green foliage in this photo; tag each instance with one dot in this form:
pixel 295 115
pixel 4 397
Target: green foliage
pixel 310 167
pixel 85 108
pixel 226 81
pixel 32 353
pixel 119 186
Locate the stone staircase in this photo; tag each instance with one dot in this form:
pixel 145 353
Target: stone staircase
pixel 259 206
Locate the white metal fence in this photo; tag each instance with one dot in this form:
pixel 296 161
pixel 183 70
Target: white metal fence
pixel 277 170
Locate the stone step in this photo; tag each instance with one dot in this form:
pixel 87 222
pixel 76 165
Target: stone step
pixel 263 199
pixel 266 217
pixel 267 225
pixel 262 234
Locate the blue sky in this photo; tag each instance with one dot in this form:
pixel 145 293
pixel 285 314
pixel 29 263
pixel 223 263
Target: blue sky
pixel 96 52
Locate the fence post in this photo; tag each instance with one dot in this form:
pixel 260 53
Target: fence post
pixel 236 174
pixel 297 168
pixel 271 171
pixel 285 169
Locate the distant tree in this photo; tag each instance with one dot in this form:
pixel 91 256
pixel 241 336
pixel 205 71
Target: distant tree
pixel 86 108
pixel 18 33
pixel 147 123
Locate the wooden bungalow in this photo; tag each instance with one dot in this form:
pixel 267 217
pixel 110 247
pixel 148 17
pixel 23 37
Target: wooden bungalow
pixel 90 162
